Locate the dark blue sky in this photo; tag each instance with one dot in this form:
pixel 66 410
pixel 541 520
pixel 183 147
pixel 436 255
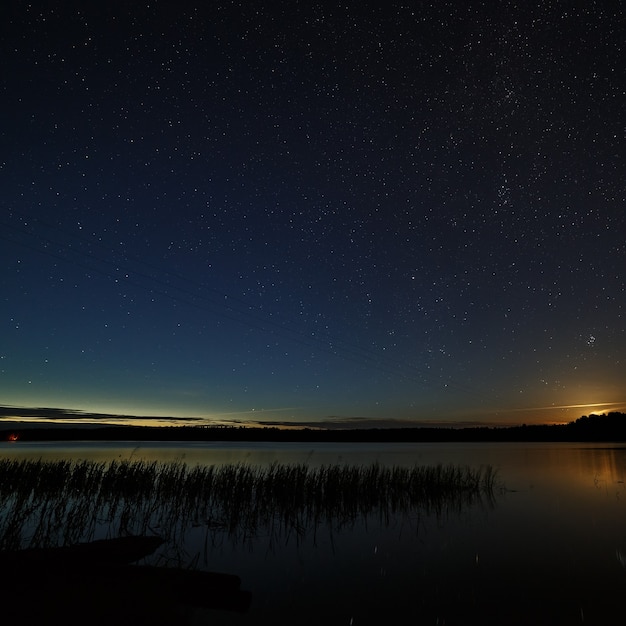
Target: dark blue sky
pixel 296 212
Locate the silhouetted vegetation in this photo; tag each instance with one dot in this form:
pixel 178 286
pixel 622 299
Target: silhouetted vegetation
pixel 606 427
pixel 63 502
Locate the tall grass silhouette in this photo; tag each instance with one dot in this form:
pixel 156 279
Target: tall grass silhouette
pixel 47 504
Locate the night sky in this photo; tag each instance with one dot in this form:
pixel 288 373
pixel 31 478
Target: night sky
pixel 298 212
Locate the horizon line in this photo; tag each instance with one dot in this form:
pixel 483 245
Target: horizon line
pixel 56 416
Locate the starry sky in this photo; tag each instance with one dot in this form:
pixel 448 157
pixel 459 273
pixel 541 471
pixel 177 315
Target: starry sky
pixel 297 212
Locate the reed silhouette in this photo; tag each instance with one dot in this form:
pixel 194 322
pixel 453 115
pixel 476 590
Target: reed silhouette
pixel 46 504
pixel 55 518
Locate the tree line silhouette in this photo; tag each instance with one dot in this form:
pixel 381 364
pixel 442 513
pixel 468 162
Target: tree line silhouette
pixel 593 428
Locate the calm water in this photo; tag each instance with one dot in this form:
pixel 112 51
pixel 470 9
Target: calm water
pixel 550 550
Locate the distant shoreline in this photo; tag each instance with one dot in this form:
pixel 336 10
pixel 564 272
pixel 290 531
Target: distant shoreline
pixel 609 427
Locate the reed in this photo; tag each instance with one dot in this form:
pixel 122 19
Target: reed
pixel 62 502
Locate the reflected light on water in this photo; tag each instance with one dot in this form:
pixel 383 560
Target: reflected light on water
pixel 561 517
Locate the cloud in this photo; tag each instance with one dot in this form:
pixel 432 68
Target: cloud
pixel 61 415
pixel 348 422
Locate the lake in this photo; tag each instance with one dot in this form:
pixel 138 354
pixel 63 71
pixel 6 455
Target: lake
pixel 549 549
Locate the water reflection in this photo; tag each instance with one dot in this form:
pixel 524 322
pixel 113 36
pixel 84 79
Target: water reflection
pixel 552 551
